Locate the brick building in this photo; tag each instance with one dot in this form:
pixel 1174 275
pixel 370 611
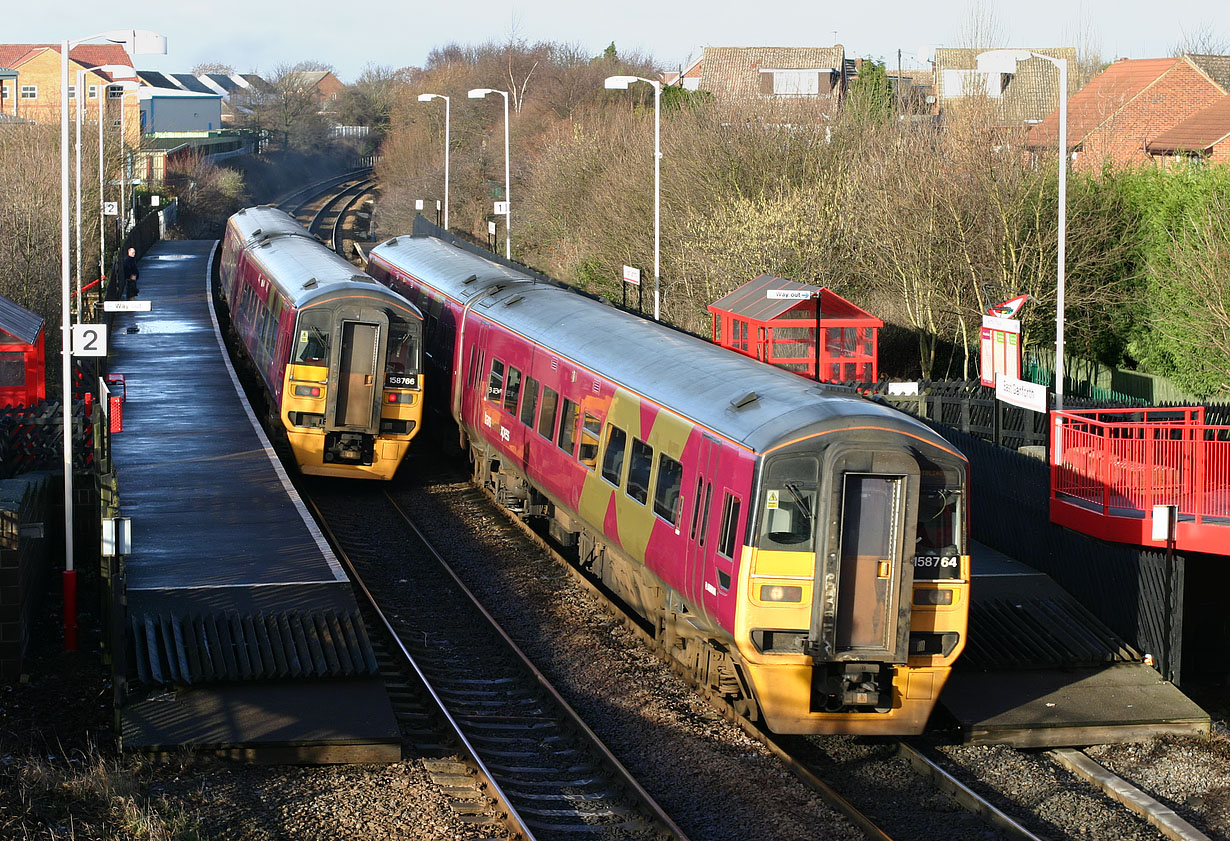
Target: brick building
pixel 1126 107
pixel 35 93
pixel 1204 136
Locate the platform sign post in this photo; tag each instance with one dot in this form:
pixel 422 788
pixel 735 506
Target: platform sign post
pixel 1165 524
pixel 632 275
pixel 89 339
pixel 1000 349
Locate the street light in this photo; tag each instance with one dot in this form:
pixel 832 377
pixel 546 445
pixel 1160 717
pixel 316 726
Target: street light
pixel 621 83
pixel 104 94
pixel 115 70
pixel 428 97
pixel 995 61
pixel 139 42
pixel 480 93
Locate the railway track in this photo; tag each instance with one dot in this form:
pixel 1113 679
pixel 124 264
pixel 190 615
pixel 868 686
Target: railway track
pixel 325 208
pixel 897 809
pixel 531 762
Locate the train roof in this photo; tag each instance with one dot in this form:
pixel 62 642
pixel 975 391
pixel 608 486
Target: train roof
pixel 304 270
pixel 750 402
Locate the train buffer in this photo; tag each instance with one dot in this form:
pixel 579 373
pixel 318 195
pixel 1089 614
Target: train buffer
pixel 240 634
pixel 1039 670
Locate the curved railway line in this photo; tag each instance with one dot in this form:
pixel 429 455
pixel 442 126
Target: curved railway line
pixel 327 208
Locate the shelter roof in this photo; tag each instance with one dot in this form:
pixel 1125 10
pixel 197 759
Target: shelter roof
pixel 1198 133
pixel 19 322
pixel 751 300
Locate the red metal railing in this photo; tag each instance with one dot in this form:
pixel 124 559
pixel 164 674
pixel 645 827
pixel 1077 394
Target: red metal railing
pixel 1125 466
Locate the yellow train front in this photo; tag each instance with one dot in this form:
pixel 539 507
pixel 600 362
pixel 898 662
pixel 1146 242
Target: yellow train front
pixel 339 355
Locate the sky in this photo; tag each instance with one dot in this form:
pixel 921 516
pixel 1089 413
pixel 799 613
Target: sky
pixel 262 34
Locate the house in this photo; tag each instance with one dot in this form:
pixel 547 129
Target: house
pixel 322 84
pixel 1025 96
pixel 764 74
pixel 1127 106
pixel 34 93
pixel 1204 136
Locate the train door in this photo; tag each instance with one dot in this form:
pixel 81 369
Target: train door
pixel 700 542
pixel 357 374
pixel 862 611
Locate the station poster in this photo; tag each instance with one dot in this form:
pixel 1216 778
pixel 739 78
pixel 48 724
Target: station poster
pixel 1000 349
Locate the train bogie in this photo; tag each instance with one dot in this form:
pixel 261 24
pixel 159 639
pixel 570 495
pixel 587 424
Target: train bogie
pixel 800 552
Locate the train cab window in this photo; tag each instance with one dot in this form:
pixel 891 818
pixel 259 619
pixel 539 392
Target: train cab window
pixel 512 390
pixel 730 525
pixel 546 415
pixel 788 500
pixel 613 459
pixel 529 402
pixel 591 428
pixel 312 338
pixel 639 468
pixel 937 549
pixel 495 385
pixel 568 427
pixel 402 357
pixel 666 494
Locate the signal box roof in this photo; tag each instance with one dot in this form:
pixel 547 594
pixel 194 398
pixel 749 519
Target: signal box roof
pixel 751 301
pixel 18 322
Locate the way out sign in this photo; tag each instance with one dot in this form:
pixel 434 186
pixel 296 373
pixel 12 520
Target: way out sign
pixel 89 340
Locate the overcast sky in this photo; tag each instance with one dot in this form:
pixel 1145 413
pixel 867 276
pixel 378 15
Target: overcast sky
pixel 261 34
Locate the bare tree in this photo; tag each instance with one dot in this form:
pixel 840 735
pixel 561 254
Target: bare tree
pixel 213 67
pixel 982 28
pixel 1201 39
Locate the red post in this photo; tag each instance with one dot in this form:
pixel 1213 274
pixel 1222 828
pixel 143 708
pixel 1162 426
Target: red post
pixel 70 609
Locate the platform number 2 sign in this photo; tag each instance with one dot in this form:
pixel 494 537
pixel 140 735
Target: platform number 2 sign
pixel 89 340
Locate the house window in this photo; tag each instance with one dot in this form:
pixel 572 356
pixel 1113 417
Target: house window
pixel 92 92
pixel 29 91
pixel 4 91
pixel 72 91
pixel 809 82
pixel 115 92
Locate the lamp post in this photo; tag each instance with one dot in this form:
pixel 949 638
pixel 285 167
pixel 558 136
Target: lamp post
pixel 139 41
pixel 427 97
pixel 621 83
pixel 992 61
pixel 103 94
pixel 480 93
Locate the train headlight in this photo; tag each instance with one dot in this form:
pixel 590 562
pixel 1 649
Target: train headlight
pixel 398 397
pixel 931 596
pixel 781 593
pixel 307 391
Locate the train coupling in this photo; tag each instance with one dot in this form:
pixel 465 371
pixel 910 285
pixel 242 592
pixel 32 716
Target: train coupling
pixel 349 448
pixel 844 686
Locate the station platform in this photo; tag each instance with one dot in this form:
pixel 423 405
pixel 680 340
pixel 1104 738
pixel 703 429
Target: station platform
pixel 243 634
pixel 1039 670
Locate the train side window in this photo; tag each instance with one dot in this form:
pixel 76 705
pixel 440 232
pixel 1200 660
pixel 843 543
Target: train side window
pixel 568 427
pixel 495 386
pixel 529 402
pixel 590 431
pixel 512 390
pixel 666 494
pixel 700 486
pixel 546 415
pixel 730 525
pixel 639 468
pixel 613 459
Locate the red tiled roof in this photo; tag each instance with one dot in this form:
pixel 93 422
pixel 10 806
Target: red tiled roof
pixel 1102 98
pixel 86 55
pixel 1198 133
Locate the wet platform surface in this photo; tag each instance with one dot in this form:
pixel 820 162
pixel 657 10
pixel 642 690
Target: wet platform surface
pixel 229 579
pixel 1039 670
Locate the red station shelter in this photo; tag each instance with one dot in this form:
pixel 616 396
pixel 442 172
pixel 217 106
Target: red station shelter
pixel 776 321
pixel 23 370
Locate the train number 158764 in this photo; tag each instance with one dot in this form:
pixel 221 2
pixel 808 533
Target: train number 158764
pixel 937 566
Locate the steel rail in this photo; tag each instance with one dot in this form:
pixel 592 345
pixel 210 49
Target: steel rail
pixel 641 795
pixel 489 778
pixel 293 202
pixel 334 242
pixel 332 200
